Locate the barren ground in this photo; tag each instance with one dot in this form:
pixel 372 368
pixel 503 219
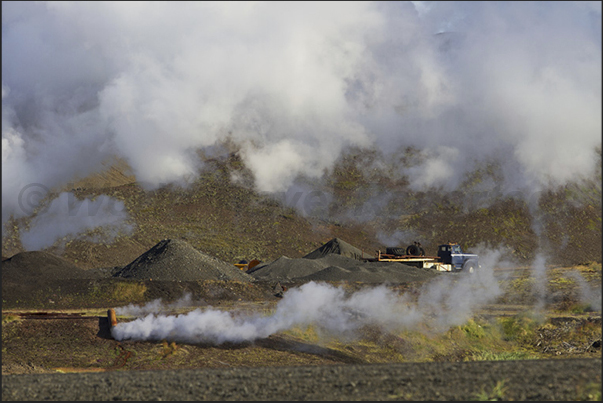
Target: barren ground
pixel 55 328
pixel 42 344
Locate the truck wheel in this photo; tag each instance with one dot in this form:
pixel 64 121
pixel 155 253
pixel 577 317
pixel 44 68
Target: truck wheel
pixel 413 250
pixel 395 251
pixel 469 267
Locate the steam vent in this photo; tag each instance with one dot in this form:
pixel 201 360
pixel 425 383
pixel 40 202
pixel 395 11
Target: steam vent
pixel 112 318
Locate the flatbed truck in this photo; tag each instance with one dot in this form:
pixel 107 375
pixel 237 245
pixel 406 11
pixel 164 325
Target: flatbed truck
pixel 450 257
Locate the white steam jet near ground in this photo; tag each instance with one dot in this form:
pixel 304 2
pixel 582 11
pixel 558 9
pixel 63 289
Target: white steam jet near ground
pixel 444 302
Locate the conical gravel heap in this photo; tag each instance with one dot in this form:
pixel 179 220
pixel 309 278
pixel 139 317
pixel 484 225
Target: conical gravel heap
pixel 336 246
pixel 39 265
pixel 339 268
pixel 286 269
pixel 334 267
pixel 176 260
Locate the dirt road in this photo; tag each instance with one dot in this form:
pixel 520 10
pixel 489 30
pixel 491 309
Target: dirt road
pixel 536 380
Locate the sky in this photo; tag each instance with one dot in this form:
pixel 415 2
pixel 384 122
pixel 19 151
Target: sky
pixel 295 84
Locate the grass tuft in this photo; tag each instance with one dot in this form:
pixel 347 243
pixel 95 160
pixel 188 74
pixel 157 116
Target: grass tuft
pixel 10 318
pixel 519 328
pixel 126 291
pixel 497 393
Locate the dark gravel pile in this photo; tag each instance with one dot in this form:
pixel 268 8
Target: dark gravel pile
pixel 285 268
pixel 338 247
pixel 26 273
pixel 373 273
pixel 36 266
pixel 176 260
pixel 335 267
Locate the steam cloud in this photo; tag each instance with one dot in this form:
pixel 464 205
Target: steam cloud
pixel 154 306
pixel 313 303
pixel 67 217
pixel 294 84
pixel 589 295
pixel 447 301
pixel 436 306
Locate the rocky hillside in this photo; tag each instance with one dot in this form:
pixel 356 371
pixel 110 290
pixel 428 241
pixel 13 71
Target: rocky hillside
pixel 361 201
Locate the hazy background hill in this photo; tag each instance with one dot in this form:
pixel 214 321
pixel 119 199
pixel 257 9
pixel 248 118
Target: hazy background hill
pixel 261 131
pixel 358 202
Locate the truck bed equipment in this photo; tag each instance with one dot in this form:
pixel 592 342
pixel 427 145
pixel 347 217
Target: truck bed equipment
pixel 450 257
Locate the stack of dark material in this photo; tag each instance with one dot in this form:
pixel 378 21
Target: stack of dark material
pixel 286 269
pixel 341 268
pixel 336 246
pixel 339 261
pixel 37 271
pixel 176 260
pixel 39 266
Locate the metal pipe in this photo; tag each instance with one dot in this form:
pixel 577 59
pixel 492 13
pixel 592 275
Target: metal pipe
pixel 112 317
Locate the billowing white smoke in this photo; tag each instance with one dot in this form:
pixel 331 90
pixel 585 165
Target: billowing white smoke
pixel 317 304
pixel 67 217
pixel 397 238
pixel 155 306
pixel 539 273
pixel 588 294
pixel 294 84
pixel 448 301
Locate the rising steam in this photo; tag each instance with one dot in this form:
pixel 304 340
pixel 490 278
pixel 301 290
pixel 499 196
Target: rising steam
pixel 436 306
pixel 312 304
pixel 445 302
pixel 294 85
pixel 69 218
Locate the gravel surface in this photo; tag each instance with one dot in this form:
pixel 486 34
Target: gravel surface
pixel 285 268
pixel 38 265
pixel 568 379
pixel 36 270
pixel 559 379
pixel 345 269
pixel 336 246
pixel 335 267
pixel 176 260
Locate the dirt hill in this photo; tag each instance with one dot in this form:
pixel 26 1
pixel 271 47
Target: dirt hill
pixel 336 246
pixel 369 208
pixel 175 260
pixel 339 267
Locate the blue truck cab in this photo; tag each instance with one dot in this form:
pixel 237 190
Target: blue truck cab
pixel 452 254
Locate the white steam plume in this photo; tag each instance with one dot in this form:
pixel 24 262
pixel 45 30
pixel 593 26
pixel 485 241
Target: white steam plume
pixel 449 301
pixel 294 84
pixel 155 306
pixel 397 238
pixel 67 217
pixel 588 294
pixel 318 304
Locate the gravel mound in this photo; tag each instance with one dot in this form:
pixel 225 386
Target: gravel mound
pixel 335 246
pixel 285 268
pixel 334 267
pixel 39 266
pixel 373 273
pixel 28 272
pixel 176 260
